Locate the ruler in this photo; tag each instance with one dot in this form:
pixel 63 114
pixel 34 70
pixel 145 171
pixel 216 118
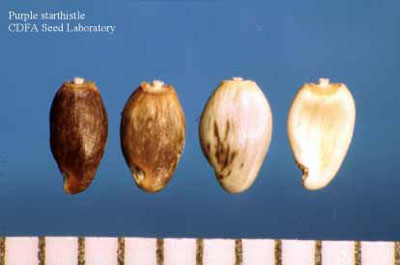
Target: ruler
pixel 187 251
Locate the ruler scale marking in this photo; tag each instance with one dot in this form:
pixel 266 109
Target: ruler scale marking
pixel 42 250
pixel 45 250
pixel 238 252
pixel 160 251
pixel 121 251
pixel 318 252
pixel 278 252
pixel 357 253
pixel 199 251
pixel 2 250
pixel 81 251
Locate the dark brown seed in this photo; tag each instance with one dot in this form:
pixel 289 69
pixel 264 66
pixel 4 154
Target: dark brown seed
pixel 152 134
pixel 78 133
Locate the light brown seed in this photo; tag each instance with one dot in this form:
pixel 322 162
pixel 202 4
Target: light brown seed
pixel 152 134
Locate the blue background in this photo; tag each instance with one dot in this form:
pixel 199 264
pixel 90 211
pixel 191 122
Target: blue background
pixel 193 45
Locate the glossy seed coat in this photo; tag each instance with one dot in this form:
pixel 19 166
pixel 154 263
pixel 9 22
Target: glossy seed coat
pixel 152 134
pixel 78 133
pixel 320 128
pixel 235 132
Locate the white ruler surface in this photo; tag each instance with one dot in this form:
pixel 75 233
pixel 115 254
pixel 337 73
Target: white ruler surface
pixel 153 251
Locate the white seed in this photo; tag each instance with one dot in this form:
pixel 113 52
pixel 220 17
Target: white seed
pixel 320 128
pixel 235 132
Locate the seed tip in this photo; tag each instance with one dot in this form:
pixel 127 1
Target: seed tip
pixel 324 82
pixel 235 78
pixel 157 83
pixel 79 80
pixel 154 86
